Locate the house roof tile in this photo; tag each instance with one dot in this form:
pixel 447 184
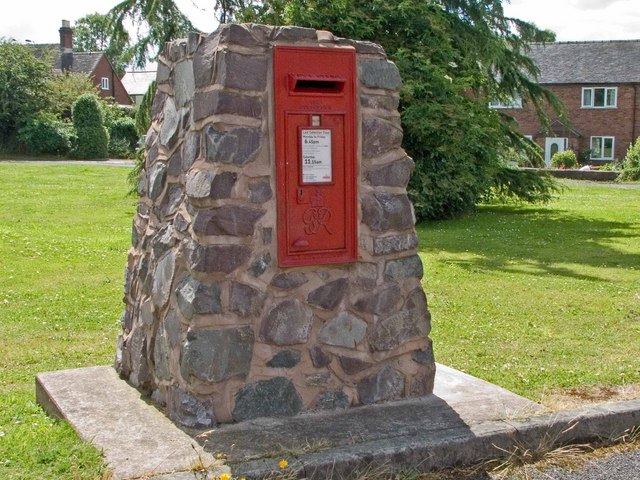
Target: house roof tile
pixel 616 61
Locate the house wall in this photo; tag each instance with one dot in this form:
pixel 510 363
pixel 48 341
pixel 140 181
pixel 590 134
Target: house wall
pixel 116 89
pixel 620 122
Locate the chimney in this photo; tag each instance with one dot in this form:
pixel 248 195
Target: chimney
pixel 66 46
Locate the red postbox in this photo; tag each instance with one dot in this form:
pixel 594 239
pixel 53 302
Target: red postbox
pixel 315 124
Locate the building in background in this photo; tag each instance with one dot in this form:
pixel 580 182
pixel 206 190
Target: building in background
pixel 598 82
pixel 94 64
pixel 137 84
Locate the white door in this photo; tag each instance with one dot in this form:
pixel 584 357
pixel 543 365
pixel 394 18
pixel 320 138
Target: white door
pixel 553 145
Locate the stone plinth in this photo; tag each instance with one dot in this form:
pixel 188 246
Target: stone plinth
pixel 213 328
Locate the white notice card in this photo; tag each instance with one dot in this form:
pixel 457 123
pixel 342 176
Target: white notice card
pixel 316 156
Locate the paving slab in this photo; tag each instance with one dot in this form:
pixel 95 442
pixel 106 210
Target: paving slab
pixel 136 438
pixel 465 421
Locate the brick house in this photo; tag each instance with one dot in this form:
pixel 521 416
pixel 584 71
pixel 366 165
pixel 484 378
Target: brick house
pixel 598 82
pixel 94 64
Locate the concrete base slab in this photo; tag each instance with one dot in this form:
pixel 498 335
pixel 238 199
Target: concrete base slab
pixel 136 438
pixel 465 421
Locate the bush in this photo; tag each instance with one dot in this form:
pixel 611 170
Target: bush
pixel 92 138
pixel 631 163
pixel 43 133
pixel 120 148
pixel 564 159
pixel 123 130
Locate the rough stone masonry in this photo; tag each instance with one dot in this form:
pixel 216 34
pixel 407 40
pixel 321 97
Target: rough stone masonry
pixel 213 329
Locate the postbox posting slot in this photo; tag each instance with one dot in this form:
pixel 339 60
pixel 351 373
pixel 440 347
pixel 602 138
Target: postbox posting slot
pixel 316 85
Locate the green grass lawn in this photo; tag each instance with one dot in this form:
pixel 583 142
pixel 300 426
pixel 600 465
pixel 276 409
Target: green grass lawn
pixel 529 297
pixel 539 298
pixel 64 233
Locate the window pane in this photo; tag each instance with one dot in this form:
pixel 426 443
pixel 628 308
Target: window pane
pixel 596 147
pixel 586 97
pixel 611 97
pixel 608 147
pixel 598 100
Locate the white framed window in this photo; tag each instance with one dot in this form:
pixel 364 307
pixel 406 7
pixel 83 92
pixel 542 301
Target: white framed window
pixel 515 102
pixel 602 148
pixel 600 97
pixel 104 83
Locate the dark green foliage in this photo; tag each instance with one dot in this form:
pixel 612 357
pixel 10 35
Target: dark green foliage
pixel 143 122
pixel 43 133
pixel 631 163
pixel 528 186
pixel 162 22
pixel 94 33
pixel 91 135
pixel 124 129
pixel 564 159
pixel 24 88
pixel 453 56
pixel 143 115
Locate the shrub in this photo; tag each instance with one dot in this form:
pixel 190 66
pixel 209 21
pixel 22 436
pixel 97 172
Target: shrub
pixel 119 148
pixel 564 159
pixel 123 132
pixel 92 138
pixel 631 163
pixel 43 133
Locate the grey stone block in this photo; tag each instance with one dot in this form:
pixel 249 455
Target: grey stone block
pixel 170 124
pixel 157 180
pixel 289 280
pixel 206 184
pixel 284 359
pixel 244 72
pixel 245 300
pixel 287 323
pixel 383 102
pixel 405 267
pixel 379 73
pixel 379 136
pixel 217 258
pixel 213 355
pixel 345 330
pixel 237 146
pixel 190 411
pixel 294 34
pixel 183 82
pixel 260 265
pixel 217 102
pixel 383 211
pixel 163 279
pixel 395 174
pixel 163 240
pixel 234 220
pixel 319 358
pixel 197 298
pixel 413 321
pixel 204 60
pixel 333 400
pixel 330 295
pixel 395 243
pixel 276 397
pixel 161 356
pixel 190 149
pixel 386 384
pixel 351 365
pixel 260 191
pixel 239 34
pixel 381 301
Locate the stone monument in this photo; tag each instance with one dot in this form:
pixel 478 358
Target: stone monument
pixel 214 329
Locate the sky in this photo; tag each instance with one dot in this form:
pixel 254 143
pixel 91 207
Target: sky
pixel 39 20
